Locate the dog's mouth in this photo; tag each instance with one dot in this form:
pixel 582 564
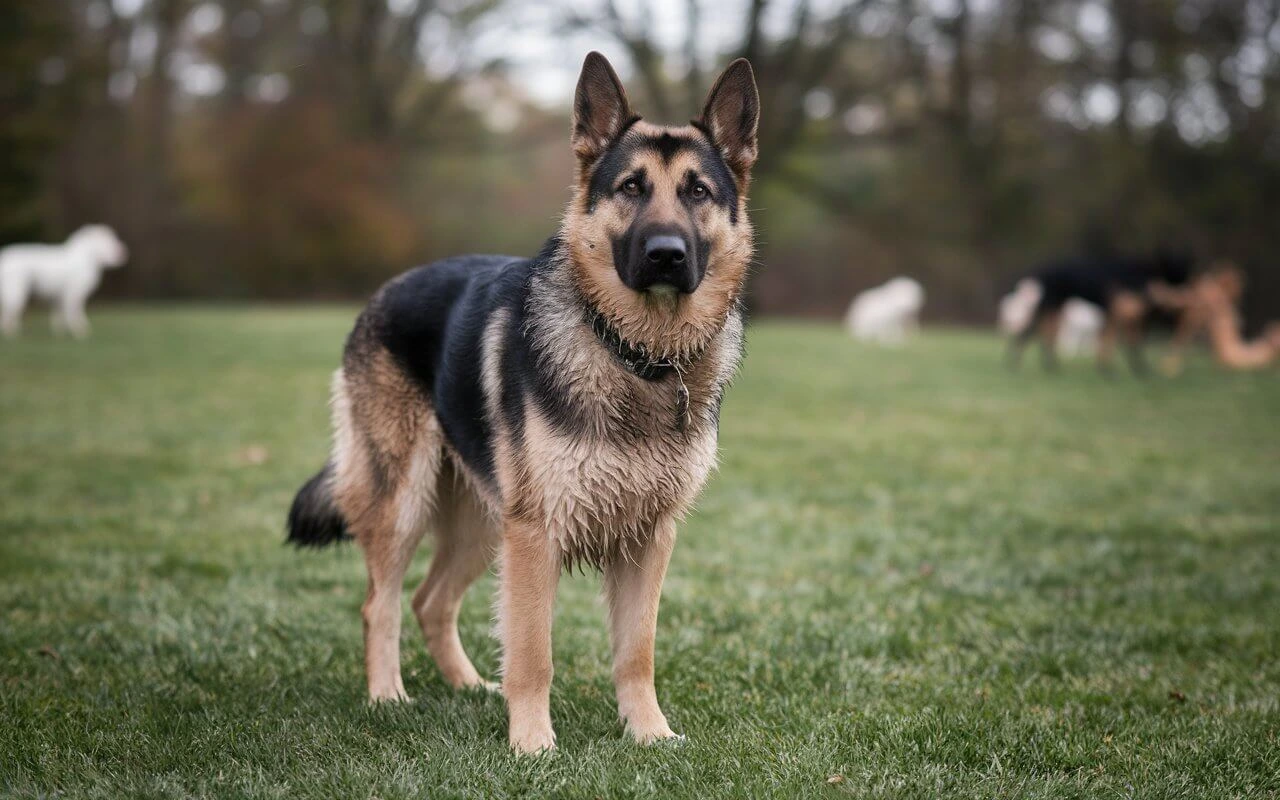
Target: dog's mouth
pixel 662 296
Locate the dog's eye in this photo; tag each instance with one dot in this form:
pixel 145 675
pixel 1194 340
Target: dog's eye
pixel 631 187
pixel 699 191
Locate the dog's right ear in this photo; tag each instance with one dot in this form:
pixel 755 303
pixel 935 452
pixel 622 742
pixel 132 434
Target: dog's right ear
pixel 600 109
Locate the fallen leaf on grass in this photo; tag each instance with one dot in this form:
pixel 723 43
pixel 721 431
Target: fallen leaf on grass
pixel 1174 694
pixel 47 651
pixel 254 455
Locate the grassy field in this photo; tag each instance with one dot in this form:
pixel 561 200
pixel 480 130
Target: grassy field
pixel 915 575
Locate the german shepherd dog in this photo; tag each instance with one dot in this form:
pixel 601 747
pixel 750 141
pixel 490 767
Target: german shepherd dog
pixel 551 411
pixel 1125 289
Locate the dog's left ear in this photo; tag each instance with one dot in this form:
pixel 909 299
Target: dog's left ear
pixel 732 115
pixel 600 108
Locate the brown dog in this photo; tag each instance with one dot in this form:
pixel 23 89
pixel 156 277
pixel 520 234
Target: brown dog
pixel 555 410
pixel 1209 304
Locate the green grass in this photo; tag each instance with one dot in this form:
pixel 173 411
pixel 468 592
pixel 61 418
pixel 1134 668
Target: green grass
pixel 914 571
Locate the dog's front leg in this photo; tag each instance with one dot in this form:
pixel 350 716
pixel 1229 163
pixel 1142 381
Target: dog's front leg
pixel 74 318
pixel 530 572
pixel 633 586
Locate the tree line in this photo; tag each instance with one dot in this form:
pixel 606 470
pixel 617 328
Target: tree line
pixel 286 149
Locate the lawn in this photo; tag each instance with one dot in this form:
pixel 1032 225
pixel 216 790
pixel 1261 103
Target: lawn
pixel 915 575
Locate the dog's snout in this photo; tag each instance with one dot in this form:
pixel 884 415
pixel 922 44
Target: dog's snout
pixel 662 250
pixel 661 259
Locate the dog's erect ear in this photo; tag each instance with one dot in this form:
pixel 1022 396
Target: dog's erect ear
pixel 731 116
pixel 600 108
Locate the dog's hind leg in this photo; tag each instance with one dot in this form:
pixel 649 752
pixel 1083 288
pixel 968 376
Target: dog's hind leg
pixel 1050 325
pixel 72 311
pixel 387 451
pixel 1018 342
pixel 389 544
pixel 1107 347
pixel 466 542
pixel 1128 309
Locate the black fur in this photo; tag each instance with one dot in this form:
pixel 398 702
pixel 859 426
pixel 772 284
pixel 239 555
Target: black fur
pixel 314 520
pixel 432 320
pixel 1098 281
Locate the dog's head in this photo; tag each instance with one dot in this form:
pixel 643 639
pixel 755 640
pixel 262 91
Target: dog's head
pixel 658 230
pixel 905 293
pixel 1229 277
pixel 100 244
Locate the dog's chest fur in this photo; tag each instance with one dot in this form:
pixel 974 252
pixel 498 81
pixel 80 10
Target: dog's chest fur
pixel 601 464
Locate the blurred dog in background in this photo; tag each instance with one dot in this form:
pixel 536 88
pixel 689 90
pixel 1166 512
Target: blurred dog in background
pixel 1121 287
pixel 887 314
pixel 1209 304
pixel 64 274
pixel 1079 328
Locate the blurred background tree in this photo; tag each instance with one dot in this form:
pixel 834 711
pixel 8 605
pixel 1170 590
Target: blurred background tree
pixel 285 149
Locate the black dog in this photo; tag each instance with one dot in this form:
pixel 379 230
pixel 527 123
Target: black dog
pixel 1120 287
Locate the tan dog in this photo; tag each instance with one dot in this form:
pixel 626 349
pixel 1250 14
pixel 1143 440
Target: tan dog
pixel 1209 305
pixel 555 410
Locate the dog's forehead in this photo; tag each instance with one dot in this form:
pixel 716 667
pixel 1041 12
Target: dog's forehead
pixel 666 144
pixel 667 154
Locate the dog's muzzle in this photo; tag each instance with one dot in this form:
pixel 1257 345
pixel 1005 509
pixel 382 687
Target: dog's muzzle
pixel 661 259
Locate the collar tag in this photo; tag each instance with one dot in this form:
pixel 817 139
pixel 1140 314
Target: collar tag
pixel 682 403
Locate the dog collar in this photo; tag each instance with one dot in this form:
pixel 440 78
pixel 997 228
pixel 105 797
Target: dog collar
pixel 635 357
pixel 638 362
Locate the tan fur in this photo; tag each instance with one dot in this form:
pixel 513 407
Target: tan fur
pixel 526 600
pixel 1212 305
pixel 467 539
pixel 642 319
pixel 387 452
pixel 605 490
pixel 633 587
pixel 1209 305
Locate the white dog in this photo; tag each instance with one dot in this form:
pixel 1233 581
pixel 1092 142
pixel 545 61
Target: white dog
pixel 64 274
pixel 886 314
pixel 1078 330
pixel 1081 325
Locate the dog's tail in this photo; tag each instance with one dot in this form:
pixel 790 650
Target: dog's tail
pixel 314 518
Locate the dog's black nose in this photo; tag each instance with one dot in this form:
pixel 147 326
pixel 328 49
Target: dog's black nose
pixel 659 259
pixel 664 250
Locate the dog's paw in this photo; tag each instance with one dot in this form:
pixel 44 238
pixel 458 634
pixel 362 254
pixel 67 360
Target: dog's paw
pixel 664 738
pixel 394 694
pixel 532 740
pixel 479 685
pixel 657 732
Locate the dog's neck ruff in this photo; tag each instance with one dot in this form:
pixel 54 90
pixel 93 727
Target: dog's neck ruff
pixel 635 357
pixel 644 366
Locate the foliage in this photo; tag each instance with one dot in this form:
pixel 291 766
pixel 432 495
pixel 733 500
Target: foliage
pixel 960 142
